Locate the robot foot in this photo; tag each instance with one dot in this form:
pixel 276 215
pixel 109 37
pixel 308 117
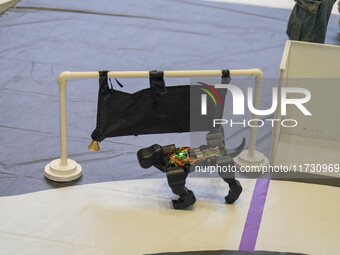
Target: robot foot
pixel 184 201
pixel 234 193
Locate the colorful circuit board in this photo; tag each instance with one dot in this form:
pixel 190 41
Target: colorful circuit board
pixel 185 156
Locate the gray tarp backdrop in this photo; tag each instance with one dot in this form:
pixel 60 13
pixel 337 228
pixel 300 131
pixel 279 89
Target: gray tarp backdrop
pixel 41 39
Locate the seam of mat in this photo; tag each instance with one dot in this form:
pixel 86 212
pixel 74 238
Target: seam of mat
pixel 126 192
pixel 54 241
pixel 88 186
pixel 144 195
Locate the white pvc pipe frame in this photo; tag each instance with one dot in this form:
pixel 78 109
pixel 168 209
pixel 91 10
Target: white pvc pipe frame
pixel 65 76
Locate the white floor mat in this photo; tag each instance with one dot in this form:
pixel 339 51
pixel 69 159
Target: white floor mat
pixel 135 217
pixel 127 217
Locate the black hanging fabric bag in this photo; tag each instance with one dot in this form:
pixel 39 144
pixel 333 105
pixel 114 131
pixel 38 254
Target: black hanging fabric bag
pixel 155 110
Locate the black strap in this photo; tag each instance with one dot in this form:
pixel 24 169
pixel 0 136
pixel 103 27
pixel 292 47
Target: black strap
pixel 103 79
pixel 120 85
pixel 225 76
pixel 97 134
pixel 157 81
pixel 157 86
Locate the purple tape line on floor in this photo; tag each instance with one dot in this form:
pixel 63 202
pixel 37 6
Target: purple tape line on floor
pixel 253 221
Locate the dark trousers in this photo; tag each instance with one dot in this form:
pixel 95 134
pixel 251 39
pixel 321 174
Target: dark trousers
pixel 309 19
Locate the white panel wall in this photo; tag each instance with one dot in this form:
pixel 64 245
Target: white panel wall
pixel 316 139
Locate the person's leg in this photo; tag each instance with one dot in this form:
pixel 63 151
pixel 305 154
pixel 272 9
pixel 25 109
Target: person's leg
pixel 305 25
pixel 295 21
pixel 321 22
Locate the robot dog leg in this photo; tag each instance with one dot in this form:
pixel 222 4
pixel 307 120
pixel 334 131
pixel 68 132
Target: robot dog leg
pixel 216 138
pixel 235 188
pixel 158 157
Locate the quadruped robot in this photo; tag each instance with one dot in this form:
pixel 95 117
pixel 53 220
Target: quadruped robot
pixel 177 163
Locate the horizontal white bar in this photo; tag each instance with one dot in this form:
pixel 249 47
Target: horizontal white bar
pixel 167 74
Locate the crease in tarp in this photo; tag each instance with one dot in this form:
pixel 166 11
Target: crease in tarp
pixel 27 130
pixel 90 12
pixel 35 22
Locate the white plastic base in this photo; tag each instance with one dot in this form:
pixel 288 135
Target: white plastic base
pixel 243 160
pixel 63 173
